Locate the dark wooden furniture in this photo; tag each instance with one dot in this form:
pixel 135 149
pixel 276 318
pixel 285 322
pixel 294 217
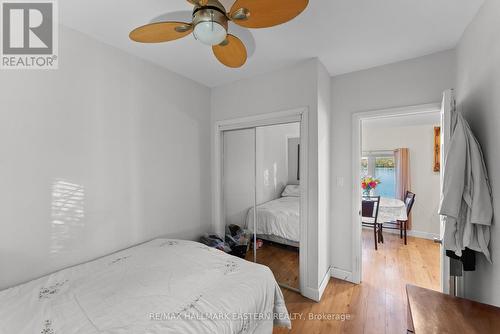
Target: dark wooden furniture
pixel 401 225
pixel 369 215
pixel 434 312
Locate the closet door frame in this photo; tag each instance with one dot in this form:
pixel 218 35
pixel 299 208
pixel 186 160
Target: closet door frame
pixel 281 117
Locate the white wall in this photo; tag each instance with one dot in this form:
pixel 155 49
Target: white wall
pixel 324 170
pixel 478 97
pixel 287 89
pixel 272 159
pixel 412 82
pixel 419 139
pixel 131 138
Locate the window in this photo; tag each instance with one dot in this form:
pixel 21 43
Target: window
pixel 380 164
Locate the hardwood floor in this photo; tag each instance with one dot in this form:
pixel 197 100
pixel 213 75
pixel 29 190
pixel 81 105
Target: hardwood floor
pixel 378 304
pixel 282 260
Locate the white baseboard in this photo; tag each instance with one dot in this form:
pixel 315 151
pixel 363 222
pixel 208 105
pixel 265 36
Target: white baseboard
pixel 324 283
pixel 310 293
pixel 416 234
pixel 411 233
pixel 316 294
pixel 423 235
pixel 341 274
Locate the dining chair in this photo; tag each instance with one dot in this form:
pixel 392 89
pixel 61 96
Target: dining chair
pixel 401 225
pixel 369 215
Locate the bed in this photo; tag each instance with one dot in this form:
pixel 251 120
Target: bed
pixel 277 220
pixel 162 286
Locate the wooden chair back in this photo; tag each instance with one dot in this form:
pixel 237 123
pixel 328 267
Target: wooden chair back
pixel 409 201
pixel 370 206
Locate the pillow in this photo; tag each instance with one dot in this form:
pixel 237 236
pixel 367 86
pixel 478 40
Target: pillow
pixel 291 190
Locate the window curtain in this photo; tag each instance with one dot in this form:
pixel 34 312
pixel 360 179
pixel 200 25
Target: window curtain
pixel 403 181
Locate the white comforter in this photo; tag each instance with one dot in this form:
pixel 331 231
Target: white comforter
pixel 279 217
pixel 162 286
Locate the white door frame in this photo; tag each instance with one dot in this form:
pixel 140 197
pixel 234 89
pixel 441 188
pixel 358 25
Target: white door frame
pixel 447 110
pixel 281 117
pixel 357 119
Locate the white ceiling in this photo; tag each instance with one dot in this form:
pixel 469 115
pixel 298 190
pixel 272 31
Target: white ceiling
pixel 346 35
pixel 430 118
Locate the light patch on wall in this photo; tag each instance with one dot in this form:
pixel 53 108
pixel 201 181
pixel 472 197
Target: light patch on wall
pixel 67 214
pixel 275 179
pixel 266 177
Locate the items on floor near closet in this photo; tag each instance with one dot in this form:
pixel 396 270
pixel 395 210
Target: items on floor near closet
pixel 466 200
pixel 434 312
pixel 214 241
pixel 236 241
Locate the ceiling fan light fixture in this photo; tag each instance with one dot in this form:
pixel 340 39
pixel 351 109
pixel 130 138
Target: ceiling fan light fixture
pixel 210 25
pixel 210 32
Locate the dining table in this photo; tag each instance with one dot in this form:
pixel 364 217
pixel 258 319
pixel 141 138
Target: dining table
pixel 391 210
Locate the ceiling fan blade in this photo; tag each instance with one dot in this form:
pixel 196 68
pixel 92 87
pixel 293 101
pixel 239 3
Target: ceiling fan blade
pixel 161 32
pixel 231 52
pixel 265 13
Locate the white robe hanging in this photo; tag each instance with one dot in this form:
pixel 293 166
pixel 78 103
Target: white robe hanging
pixel 466 200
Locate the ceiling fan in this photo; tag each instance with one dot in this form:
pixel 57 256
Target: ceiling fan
pixel 210 25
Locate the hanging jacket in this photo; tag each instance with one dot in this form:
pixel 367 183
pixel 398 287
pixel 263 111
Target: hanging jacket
pixel 466 201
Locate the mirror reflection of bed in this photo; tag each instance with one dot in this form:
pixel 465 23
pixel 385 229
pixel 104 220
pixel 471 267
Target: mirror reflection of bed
pixel 262 195
pixel 278 235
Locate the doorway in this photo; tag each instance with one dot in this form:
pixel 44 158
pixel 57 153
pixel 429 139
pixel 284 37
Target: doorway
pixel 377 135
pixel 395 151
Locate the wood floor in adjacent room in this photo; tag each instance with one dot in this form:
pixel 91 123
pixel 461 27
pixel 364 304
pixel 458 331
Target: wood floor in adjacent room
pixel 378 304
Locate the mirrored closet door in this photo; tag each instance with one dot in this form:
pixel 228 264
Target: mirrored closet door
pixel 261 178
pixel 239 190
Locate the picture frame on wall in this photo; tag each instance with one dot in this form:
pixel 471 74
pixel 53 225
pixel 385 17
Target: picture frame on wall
pixel 437 149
